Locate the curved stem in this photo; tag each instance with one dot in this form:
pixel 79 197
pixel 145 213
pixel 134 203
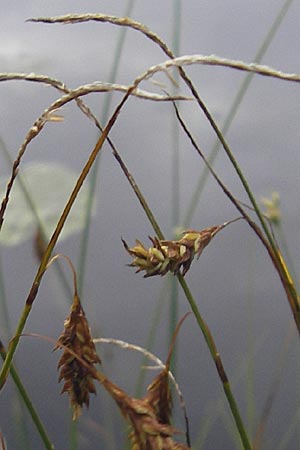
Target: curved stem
pixel 234 109
pixel 93 178
pixel 47 255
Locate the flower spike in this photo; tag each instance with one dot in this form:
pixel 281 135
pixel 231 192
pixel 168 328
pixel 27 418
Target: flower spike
pixel 76 341
pixel 173 256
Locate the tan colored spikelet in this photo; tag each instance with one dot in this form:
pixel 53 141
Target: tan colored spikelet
pixel 147 433
pixel 150 417
pixel 159 397
pixel 159 393
pixel 76 340
pixel 173 256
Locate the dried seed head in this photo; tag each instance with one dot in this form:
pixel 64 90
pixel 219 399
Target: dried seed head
pixel 159 397
pixel 170 256
pixel 77 373
pixel 147 432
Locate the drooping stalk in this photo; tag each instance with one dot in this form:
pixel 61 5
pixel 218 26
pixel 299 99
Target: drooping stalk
pixel 47 255
pixel 93 177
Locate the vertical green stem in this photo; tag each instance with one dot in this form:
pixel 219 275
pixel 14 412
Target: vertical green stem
pixel 30 408
pixel 175 186
pixel 219 365
pixel 46 257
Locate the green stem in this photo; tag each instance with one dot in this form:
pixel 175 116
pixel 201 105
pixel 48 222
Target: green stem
pixel 13 345
pixel 234 108
pixel 200 321
pixel 268 241
pixel 47 255
pixel 30 203
pixel 271 246
pixel 93 178
pixel 175 186
pixel 30 408
pixel 218 362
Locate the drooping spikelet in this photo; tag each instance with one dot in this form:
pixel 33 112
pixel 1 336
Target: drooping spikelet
pixel 149 418
pixel 78 378
pixel 171 256
pixel 147 432
pixel 159 397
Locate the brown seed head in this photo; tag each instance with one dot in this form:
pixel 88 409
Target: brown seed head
pixel 77 373
pixel 147 431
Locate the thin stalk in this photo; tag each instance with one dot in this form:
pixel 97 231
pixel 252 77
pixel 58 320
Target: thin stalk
pixel 250 377
pixel 93 177
pixel 285 249
pixel 47 255
pixel 175 181
pixel 216 407
pixel 152 334
pixel 285 353
pixel 18 417
pixel 206 333
pixel 274 253
pixel 234 109
pixel 159 233
pixel 268 241
pixel 19 424
pixel 218 362
pixel 30 408
pixel 73 433
pixel 34 211
pixel 209 340
pixel 5 322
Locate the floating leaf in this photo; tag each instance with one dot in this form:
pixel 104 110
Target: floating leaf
pixel 49 186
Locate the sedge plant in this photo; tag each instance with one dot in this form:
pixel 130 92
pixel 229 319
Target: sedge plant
pixel 148 417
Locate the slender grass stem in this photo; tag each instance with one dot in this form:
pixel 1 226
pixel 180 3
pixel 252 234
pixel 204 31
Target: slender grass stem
pixel 200 321
pixel 93 178
pixel 209 340
pixel 126 22
pixel 268 241
pixel 234 109
pixel 28 403
pixel 176 185
pixel 205 330
pixel 218 362
pixel 6 328
pixel 47 255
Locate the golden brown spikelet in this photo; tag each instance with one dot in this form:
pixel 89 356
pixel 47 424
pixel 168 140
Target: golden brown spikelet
pixel 76 340
pixel 147 432
pixel 159 397
pixel 171 256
